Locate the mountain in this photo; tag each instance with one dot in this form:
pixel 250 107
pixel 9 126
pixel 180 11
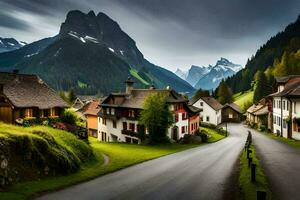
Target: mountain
pixel 208 78
pixel 221 70
pixel 275 51
pixel 10 44
pixel 91 54
pixel 181 74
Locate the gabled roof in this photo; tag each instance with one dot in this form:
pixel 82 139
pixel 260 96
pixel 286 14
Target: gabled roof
pixel 25 90
pixel 291 88
pixel 285 79
pixel 91 108
pixel 137 96
pixel 212 102
pixel 234 107
pixel 263 111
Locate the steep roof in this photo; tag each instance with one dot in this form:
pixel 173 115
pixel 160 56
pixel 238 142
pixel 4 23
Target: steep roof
pixel 285 79
pixel 137 96
pixel 24 90
pixel 91 108
pixel 212 102
pixel 234 107
pixel 263 111
pixel 291 88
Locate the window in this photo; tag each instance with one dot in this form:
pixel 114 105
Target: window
pixel 201 103
pixel 112 111
pixel 184 116
pixel 124 125
pixel 130 113
pixel 28 112
pixel 182 129
pixel 103 121
pixel 132 126
pixel 207 118
pixel 114 124
pixel 283 105
pixel 176 117
pixel 279 123
pixel 274 104
pixel 192 126
pixel 287 105
pixel 284 124
pixel 274 119
pixel 107 111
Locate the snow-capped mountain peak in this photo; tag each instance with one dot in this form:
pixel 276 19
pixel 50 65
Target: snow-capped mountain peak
pixel 209 77
pixel 10 44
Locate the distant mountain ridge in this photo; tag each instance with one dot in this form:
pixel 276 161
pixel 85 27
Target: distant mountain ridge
pixel 10 44
pixel 208 78
pixel 91 54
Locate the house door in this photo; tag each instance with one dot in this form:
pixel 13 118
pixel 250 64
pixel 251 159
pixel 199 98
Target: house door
pixel 6 114
pixel 175 133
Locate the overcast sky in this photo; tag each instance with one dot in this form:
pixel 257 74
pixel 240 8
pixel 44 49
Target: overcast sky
pixel 170 33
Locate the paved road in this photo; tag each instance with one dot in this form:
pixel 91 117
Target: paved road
pixel 281 163
pixel 199 173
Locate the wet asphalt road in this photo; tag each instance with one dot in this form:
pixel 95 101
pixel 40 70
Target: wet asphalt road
pixel 198 173
pixel 281 164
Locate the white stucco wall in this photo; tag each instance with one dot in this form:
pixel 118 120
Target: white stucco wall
pixel 277 107
pixel 214 116
pixel 109 129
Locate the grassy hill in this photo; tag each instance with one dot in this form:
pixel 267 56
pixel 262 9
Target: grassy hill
pixel 243 99
pixel 38 152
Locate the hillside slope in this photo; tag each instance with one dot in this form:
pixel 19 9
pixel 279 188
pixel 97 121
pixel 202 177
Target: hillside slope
pixel 33 153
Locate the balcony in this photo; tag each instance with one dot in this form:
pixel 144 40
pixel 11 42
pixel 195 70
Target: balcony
pixel 130 133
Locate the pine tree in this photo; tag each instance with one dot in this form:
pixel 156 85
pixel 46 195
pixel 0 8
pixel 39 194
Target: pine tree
pixel 262 87
pixel 224 93
pixel 200 93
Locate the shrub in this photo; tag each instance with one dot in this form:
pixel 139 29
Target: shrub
pixel 69 117
pixel 190 139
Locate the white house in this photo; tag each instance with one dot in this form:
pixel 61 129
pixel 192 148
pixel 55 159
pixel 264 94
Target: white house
pixel 211 110
pixel 118 118
pixel 286 107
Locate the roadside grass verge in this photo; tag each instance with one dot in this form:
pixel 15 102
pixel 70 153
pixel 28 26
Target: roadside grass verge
pixel 249 189
pixel 292 142
pixel 214 135
pixel 120 155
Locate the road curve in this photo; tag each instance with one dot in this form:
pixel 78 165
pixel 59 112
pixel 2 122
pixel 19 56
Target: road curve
pixel 198 173
pixel 281 163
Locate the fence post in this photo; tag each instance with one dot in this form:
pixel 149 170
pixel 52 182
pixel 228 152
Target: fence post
pixel 253 172
pixel 261 195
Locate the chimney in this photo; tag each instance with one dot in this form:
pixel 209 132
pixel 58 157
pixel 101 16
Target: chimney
pixel 129 85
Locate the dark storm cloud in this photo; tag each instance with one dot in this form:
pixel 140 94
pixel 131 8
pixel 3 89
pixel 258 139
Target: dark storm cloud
pixel 10 22
pixel 172 33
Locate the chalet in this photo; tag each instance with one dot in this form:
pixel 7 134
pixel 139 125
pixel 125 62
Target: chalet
pixel 231 113
pixel 82 100
pixel 90 112
pixel 211 110
pixel 257 114
pixel 118 118
pixel 286 107
pixel 27 96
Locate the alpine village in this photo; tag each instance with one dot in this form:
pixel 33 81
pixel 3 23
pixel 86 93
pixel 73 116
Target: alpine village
pixel 84 115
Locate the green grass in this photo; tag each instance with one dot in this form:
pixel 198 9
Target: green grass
pixel 134 73
pixel 244 100
pixel 121 155
pixel 248 189
pixel 214 135
pixel 292 142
